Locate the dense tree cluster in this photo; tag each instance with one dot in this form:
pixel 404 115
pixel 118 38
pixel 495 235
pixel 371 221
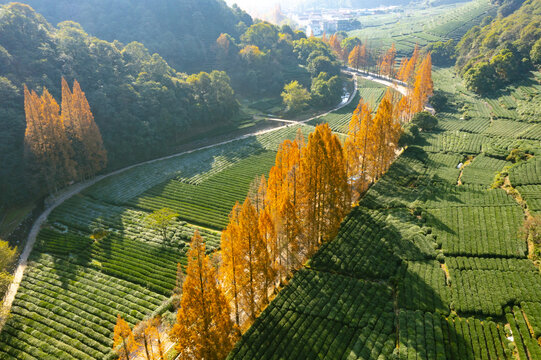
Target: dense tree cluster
pixel 141 105
pixel 372 143
pixel 502 51
pixel 181 31
pixel 266 57
pixel 283 221
pixel 61 147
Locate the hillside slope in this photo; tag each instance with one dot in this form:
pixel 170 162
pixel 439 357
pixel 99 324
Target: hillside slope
pixel 502 51
pixel 430 265
pixel 142 106
pixel 181 31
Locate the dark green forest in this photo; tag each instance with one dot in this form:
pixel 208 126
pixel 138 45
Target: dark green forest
pixel 140 103
pixel 143 106
pixel 183 32
pixel 503 50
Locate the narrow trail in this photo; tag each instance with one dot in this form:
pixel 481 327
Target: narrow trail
pixel 77 188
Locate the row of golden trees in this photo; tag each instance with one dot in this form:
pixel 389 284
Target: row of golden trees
pixel 281 224
pixel 62 144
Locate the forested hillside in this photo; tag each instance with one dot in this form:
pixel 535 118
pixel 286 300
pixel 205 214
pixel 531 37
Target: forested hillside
pixel 502 50
pixel 140 103
pixel 181 31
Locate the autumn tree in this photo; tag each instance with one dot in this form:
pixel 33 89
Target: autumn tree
pixel 66 146
pixel 203 329
pixel 143 334
pixel 324 187
pixel 46 141
pixel 386 133
pixel 359 148
pixel 123 339
pixel 334 43
pixel 388 61
pixel 424 87
pixel 161 221
pixel 407 74
pixel 82 131
pixel 231 267
pixel 179 281
pixel 355 57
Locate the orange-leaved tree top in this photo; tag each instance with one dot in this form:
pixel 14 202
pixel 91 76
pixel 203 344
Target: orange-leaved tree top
pixel 46 140
pixel 355 57
pixel 204 329
pixel 83 132
pixel 123 340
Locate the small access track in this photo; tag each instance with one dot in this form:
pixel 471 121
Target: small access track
pixel 75 189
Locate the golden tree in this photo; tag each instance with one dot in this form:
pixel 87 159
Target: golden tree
pixel 231 267
pixel 254 250
pixel 46 140
pixel 388 62
pixel 424 86
pixel 408 73
pixel 359 149
pixel 386 133
pixel 84 134
pixel 123 340
pixel 334 42
pixel 324 187
pixel 271 268
pixel 355 58
pixel 203 329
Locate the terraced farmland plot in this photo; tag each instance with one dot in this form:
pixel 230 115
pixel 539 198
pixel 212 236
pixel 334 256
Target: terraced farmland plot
pixel 442 195
pixel 532 195
pixel 503 108
pixel 457 142
pixel 476 263
pixel 131 183
pixel 81 214
pixel 355 322
pixel 384 239
pixel 151 266
pixel 482 169
pixel 478 231
pixel 476 126
pixel 500 146
pixel 527 346
pixel 533 132
pixel 527 173
pixel 532 316
pixel 210 202
pixel 487 292
pixel 444 166
pixel 422 287
pixel 507 128
pixel 429 336
pixel 66 311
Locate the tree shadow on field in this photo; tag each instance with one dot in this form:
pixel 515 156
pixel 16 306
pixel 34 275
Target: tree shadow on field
pixel 346 302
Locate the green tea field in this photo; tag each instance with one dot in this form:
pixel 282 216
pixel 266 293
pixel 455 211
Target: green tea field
pixel 431 264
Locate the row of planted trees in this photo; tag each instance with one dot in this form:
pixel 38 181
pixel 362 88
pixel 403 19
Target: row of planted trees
pixel 282 223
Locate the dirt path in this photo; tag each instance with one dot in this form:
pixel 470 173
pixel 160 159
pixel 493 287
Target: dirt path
pixel 77 188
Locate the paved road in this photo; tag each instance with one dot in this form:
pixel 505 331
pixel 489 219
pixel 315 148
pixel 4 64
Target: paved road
pixel 77 188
